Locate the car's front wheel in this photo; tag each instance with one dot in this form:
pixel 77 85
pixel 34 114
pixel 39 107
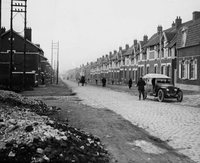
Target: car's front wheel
pixel 160 95
pixel 180 96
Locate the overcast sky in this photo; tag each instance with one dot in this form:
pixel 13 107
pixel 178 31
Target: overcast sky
pixel 89 29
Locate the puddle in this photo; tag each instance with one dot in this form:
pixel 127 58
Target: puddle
pixel 148 147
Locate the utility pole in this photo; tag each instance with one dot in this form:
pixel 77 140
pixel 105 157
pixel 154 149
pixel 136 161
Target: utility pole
pixel 18 6
pixel 56 47
pixel 0 25
pixel 57 63
pixel 11 45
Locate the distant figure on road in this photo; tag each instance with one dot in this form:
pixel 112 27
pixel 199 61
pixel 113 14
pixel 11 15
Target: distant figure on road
pixel 82 80
pixel 140 84
pixel 113 81
pixel 96 81
pixel 130 82
pixel 104 82
pixel 78 81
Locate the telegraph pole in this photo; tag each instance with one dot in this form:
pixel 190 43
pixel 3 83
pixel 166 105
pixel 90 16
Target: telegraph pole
pixel 57 63
pixel 56 47
pixel 19 7
pixel 11 45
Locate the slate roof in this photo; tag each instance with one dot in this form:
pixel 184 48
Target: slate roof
pixel 172 42
pixel 193 35
pixel 8 31
pixel 155 39
pixel 129 51
pixel 170 35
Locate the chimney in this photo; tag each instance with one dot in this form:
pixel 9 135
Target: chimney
pixel 173 24
pixel 3 30
pixel 145 38
pixel 178 22
pixel 159 29
pixel 120 48
pixel 110 54
pixel 29 34
pixel 196 15
pixel 127 46
pixel 135 42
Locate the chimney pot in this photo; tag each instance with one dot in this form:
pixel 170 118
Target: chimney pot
pixel 29 34
pixel 127 46
pixel 178 22
pixel 159 29
pixel 196 15
pixel 134 42
pixel 145 38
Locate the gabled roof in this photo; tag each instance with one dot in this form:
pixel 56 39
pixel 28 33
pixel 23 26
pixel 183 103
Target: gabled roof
pixel 14 32
pixel 169 35
pixel 172 42
pixel 129 51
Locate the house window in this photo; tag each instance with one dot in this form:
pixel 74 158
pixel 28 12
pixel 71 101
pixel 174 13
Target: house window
pixel 147 69
pixel 133 75
pixel 151 52
pixel 192 69
pixel 155 69
pixel 143 57
pixel 168 70
pixel 142 71
pixel 163 69
pixel 186 69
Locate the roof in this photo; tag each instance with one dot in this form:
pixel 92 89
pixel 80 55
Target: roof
pixel 129 51
pixel 151 75
pixel 8 31
pixel 193 35
pixel 155 39
pixel 172 42
pixel 170 35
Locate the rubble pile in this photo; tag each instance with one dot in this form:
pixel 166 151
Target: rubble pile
pixel 34 105
pixel 29 138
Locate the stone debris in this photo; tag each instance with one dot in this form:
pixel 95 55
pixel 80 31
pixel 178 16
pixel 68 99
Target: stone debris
pixel 26 136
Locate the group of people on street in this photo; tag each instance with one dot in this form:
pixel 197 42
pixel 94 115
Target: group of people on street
pixel 140 84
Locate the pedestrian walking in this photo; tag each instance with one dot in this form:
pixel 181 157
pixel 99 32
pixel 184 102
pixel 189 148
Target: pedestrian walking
pixel 103 81
pixel 140 84
pixel 130 82
pixel 96 81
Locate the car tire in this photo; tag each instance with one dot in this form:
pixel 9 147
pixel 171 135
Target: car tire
pixel 180 96
pixel 160 95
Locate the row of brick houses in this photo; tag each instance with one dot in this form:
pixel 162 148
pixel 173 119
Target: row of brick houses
pixel 37 65
pixel 174 51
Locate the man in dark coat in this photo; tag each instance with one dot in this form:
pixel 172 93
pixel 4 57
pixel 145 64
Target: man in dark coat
pixel 141 83
pixel 130 82
pixel 104 82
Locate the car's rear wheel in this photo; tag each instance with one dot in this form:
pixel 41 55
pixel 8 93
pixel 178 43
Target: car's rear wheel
pixel 160 95
pixel 180 96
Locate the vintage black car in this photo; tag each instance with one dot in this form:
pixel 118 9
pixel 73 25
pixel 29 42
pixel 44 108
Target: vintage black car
pixel 160 86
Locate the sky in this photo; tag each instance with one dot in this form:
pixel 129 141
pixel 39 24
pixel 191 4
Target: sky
pixel 88 29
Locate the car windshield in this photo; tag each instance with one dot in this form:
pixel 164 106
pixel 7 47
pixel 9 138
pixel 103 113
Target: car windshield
pixel 163 80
